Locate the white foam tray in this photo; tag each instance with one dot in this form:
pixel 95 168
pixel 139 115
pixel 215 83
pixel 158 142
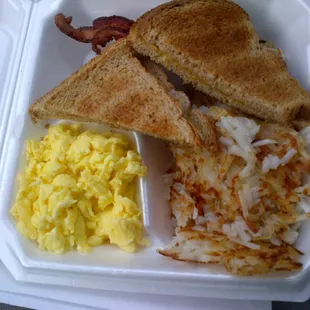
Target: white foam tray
pixel 36 57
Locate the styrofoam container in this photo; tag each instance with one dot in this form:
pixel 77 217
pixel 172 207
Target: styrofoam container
pixel 35 57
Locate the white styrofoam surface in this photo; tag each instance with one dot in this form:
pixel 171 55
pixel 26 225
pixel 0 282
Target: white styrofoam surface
pixel 14 19
pixel 48 57
pixel 64 298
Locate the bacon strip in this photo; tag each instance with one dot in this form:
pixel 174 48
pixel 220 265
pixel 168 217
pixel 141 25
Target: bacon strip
pixel 104 29
pixel 113 21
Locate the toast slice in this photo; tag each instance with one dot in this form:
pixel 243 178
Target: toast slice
pixel 213 45
pixel 115 89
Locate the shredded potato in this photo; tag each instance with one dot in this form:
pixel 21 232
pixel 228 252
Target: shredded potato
pixel 241 207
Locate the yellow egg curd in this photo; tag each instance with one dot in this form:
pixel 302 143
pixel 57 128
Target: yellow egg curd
pixel 78 191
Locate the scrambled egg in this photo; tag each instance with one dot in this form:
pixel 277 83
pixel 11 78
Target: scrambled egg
pixel 78 191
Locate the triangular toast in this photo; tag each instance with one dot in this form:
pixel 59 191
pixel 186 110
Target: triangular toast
pixel 213 45
pixel 115 89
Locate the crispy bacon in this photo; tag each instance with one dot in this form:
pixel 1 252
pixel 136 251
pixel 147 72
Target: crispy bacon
pixel 113 21
pixel 104 29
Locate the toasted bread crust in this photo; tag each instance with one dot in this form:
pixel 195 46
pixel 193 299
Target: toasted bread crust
pixel 115 89
pixel 205 126
pixel 300 124
pixel 213 45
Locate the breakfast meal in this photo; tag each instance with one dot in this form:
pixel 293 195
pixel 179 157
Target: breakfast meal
pixel 195 74
pixel 79 191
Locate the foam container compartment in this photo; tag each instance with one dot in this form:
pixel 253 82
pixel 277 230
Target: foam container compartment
pixel 35 57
